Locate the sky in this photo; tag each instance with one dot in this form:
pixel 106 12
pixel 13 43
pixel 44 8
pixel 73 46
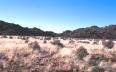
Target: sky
pixel 58 15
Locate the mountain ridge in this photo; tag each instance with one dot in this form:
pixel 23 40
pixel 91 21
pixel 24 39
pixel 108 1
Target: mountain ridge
pixel 15 29
pixel 107 32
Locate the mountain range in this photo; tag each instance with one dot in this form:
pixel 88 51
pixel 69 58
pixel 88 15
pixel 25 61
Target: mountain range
pixel 107 32
pixel 15 29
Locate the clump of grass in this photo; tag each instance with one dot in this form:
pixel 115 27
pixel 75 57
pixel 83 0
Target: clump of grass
pixel 22 54
pixel 23 38
pixel 81 52
pixel 3 56
pixel 95 42
pixel 71 41
pixel 96 69
pixel 10 37
pixel 4 36
pixel 92 62
pixel 98 57
pixel 108 44
pixel 110 69
pixel 44 41
pixel 18 37
pixel 55 38
pixel 26 41
pixel 58 43
pixel 34 45
pixel 84 42
pixel 47 38
pixel 63 38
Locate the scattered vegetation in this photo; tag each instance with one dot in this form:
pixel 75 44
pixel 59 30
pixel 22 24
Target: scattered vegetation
pixel 81 58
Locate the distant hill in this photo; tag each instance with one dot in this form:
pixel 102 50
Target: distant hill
pixel 15 29
pixel 108 32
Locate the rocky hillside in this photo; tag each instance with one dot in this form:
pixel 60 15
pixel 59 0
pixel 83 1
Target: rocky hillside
pixel 108 32
pixel 15 29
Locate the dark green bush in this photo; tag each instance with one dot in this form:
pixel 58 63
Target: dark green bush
pixel 58 43
pixel 108 44
pixel 97 69
pixel 82 52
pixel 34 45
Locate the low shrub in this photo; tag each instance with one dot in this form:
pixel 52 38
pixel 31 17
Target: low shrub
pixel 81 52
pixel 84 42
pixel 44 41
pixel 71 41
pixel 58 43
pixel 47 38
pixel 96 69
pixel 92 62
pixel 95 42
pixel 4 36
pixel 34 45
pixel 26 41
pixel 3 56
pixel 10 37
pixel 108 44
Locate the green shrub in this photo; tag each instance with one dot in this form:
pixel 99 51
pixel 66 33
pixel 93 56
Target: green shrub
pixel 47 38
pixel 34 45
pixel 10 37
pixel 58 43
pixel 26 41
pixel 4 36
pixel 108 44
pixel 81 52
pixel 96 69
pixel 92 62
pixel 44 41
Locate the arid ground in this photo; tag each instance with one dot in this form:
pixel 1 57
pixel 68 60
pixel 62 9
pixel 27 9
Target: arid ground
pixel 48 54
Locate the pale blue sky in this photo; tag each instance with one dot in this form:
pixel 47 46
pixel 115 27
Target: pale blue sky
pixel 58 15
